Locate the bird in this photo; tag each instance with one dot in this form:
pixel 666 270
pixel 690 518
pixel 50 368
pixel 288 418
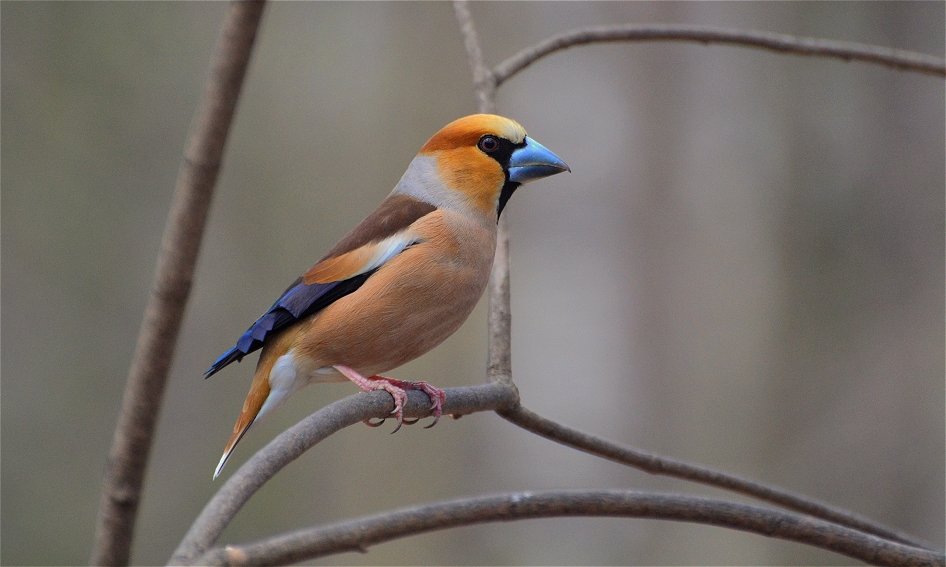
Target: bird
pixel 401 282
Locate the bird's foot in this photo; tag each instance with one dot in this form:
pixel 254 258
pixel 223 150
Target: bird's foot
pixel 397 389
pixel 437 398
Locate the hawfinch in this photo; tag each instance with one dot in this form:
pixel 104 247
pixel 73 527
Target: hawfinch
pixel 402 281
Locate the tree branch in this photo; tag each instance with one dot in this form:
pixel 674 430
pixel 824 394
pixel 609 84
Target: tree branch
pixel 357 535
pixel 501 395
pixel 484 84
pixel 500 366
pixel 813 47
pixel 157 337
pixel 659 465
pixel 493 396
pixel 499 319
pixel 293 442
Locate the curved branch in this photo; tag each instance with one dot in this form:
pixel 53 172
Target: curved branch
pixel 157 337
pixel 813 47
pixel 500 365
pixel 494 396
pixel 500 395
pixel 296 440
pixel 656 464
pixel 357 535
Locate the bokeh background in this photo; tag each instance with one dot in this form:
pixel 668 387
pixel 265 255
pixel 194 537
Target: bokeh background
pixel 745 268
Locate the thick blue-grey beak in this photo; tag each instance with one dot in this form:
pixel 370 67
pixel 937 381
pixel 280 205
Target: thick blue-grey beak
pixel 534 161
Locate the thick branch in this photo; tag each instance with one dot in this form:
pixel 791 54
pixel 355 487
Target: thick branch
pixel 293 442
pixel 131 444
pixel 848 51
pixel 357 535
pixel 656 464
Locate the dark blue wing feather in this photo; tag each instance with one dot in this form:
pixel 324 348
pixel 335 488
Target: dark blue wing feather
pixel 297 302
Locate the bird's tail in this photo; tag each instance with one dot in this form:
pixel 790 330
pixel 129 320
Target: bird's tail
pixel 259 392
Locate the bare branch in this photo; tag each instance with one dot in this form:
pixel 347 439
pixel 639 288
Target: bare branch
pixel 493 396
pixel 357 535
pixel 813 47
pixel 499 320
pixel 293 442
pixel 483 83
pixel 157 336
pixel 500 367
pixel 656 464
pixel 500 395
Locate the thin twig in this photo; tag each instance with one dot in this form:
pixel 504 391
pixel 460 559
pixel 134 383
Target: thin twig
pixel 293 442
pixel 813 47
pixel 500 367
pixel 498 395
pixel 484 85
pixel 659 465
pixel 357 535
pixel 157 337
pixel 499 318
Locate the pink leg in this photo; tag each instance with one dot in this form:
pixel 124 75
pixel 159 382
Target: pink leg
pixel 397 390
pixel 437 396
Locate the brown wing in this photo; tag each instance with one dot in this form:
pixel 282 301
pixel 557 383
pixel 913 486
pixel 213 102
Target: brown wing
pixel 339 273
pixel 393 215
pixel 376 239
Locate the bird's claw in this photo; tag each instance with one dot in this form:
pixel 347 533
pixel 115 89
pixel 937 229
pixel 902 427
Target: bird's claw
pixel 397 390
pixel 437 397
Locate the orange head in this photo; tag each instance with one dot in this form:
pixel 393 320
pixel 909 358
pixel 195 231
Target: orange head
pixel 476 162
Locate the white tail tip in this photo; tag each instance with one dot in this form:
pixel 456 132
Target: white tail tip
pixel 223 461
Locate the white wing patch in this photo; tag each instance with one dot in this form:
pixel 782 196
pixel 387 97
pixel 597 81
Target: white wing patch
pixel 387 249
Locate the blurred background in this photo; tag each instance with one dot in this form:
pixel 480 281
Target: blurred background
pixel 745 268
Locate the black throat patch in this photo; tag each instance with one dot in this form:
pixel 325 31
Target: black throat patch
pixel 508 189
pixel 502 155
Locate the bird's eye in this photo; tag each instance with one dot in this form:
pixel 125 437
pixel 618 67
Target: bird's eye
pixel 488 144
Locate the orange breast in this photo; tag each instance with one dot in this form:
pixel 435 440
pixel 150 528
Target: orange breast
pixel 411 304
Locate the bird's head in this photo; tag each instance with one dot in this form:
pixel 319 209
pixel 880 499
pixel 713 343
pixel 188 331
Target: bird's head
pixel 476 162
